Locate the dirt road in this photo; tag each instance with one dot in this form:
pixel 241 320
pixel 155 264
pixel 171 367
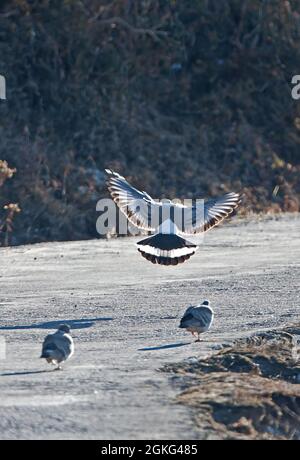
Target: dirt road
pixel 124 313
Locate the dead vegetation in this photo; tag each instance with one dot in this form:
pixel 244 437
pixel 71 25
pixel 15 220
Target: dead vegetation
pixel 250 390
pixel 10 210
pixel 185 98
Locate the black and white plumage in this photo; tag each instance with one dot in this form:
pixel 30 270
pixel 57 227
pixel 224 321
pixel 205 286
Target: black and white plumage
pixel 58 347
pixel 168 245
pixel 198 319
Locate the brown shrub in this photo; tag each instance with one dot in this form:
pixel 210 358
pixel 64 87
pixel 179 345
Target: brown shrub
pixel 188 98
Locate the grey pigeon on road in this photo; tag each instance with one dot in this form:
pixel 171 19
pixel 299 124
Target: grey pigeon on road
pixel 58 347
pixel 167 246
pixel 198 319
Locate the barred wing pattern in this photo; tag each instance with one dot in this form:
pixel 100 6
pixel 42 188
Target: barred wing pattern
pixel 197 220
pixel 145 213
pixel 139 208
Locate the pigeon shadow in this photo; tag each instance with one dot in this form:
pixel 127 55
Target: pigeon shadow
pixel 8 374
pixel 165 347
pixel 73 323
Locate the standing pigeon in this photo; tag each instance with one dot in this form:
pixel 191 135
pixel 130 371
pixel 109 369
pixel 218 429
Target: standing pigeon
pixel 198 319
pixel 58 347
pixel 167 246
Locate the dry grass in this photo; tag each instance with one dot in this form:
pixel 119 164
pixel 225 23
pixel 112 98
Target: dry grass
pixel 250 390
pixel 10 209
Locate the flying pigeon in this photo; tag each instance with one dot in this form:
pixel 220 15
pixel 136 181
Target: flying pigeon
pixel 58 347
pixel 198 319
pixel 167 246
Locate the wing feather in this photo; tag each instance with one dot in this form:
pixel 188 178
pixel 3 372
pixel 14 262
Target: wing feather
pixel 58 342
pixel 138 207
pixel 198 220
pixel 145 213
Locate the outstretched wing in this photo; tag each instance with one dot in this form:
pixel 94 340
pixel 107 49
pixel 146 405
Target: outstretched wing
pixel 198 219
pixel 139 208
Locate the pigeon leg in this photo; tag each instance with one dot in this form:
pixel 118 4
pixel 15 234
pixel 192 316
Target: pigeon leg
pixel 198 340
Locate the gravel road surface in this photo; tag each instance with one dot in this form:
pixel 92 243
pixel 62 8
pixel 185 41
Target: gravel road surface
pixel 124 313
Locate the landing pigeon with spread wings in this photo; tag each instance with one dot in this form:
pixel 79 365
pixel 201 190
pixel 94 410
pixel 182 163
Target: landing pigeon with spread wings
pixel 168 221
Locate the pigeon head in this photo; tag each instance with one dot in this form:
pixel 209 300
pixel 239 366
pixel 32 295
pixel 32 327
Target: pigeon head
pixel 64 328
pixel 206 302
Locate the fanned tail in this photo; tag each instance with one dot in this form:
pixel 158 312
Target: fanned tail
pixel 166 249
